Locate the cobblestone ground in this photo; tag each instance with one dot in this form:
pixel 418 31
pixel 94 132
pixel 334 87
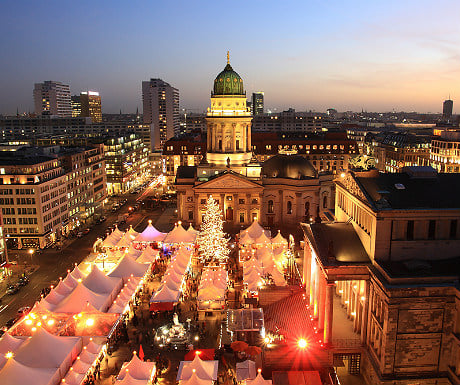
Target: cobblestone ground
pixel 143 333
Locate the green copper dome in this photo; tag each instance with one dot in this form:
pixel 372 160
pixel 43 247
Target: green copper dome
pixel 228 82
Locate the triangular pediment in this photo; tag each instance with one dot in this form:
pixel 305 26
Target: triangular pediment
pixel 228 181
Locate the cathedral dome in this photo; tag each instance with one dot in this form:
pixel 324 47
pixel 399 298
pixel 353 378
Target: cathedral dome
pixel 228 82
pixel 288 166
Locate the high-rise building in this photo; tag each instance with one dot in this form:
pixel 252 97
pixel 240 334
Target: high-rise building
pixel 91 105
pixel 447 108
pixel 257 103
pixel 76 106
pixel 161 110
pixel 52 98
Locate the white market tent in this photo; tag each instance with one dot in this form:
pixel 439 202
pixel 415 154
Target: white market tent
pixel 74 378
pixel 100 283
pixel 148 255
pixel 8 343
pixel 124 242
pixel 128 380
pixel 44 350
pixel 211 293
pixel 62 288
pixel 255 230
pixel 180 235
pixel 54 298
pixel 137 369
pixel 245 239
pixel 127 266
pixel 70 281
pixel 259 380
pixel 132 252
pixel 150 235
pixel 132 233
pixel 245 370
pixel 263 239
pixel 279 239
pixel 192 230
pixel 77 300
pixel 204 370
pixel 77 273
pixel 165 294
pixel 195 380
pixel 15 373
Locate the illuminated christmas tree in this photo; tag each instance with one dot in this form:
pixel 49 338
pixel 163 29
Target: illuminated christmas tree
pixel 212 242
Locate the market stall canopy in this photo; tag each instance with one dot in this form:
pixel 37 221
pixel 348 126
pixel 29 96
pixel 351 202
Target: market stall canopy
pixel 278 278
pixel 192 230
pixel 128 380
pixel 9 343
pixel 76 301
pixel 279 239
pixel 128 266
pixel 139 370
pixel 44 350
pixel 74 378
pixel 263 240
pixel 133 252
pixel 211 293
pixel 131 232
pixel 77 273
pixel 110 242
pixel 180 235
pixel 70 281
pixel 204 370
pixel 150 235
pixel 195 380
pixel 245 239
pixel 255 230
pixel 125 241
pixel 98 282
pixel 165 294
pixel 259 380
pixel 15 373
pixel 148 255
pixel 62 288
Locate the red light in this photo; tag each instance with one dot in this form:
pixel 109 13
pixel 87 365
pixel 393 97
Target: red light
pixel 302 343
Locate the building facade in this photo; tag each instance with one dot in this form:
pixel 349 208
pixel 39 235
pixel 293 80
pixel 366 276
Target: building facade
pixel 285 189
pixel 445 152
pixel 52 98
pixel 90 102
pixel 289 120
pixel 161 110
pixel 386 270
pixel 257 105
pixel 126 162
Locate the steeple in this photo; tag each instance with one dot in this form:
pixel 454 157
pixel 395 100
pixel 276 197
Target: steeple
pixel 228 57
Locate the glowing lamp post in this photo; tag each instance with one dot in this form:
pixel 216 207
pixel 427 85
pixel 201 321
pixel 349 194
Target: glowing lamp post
pixel 302 343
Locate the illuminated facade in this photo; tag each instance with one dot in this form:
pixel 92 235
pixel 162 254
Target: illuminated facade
pixel 161 111
pixel 52 98
pixel 76 106
pixel 91 106
pixel 126 162
pixel 383 279
pixel 445 152
pixel 286 190
pixel 257 104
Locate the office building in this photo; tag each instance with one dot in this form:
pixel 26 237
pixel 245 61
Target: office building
pixel 257 104
pixel 289 120
pixel 91 106
pixel 52 98
pixel 76 106
pixel 126 162
pixel 161 111
pixel 445 152
pixel 447 109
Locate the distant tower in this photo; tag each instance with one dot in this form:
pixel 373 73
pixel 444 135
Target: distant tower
pixel 257 103
pixel 447 108
pixel 76 106
pixel 91 105
pixel 52 98
pixel 161 111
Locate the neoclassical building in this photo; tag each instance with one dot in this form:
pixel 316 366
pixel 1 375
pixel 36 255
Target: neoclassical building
pixel 286 189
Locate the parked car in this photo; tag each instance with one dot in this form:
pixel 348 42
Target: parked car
pixel 80 234
pixel 86 231
pixel 12 289
pixel 24 310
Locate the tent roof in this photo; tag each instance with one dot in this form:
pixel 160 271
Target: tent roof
pixel 139 370
pixel 192 230
pixel 92 347
pixel 245 370
pixel 125 241
pixel 128 380
pixel 211 293
pixel 132 232
pixel 262 239
pixel 150 234
pixel 246 239
pixel 132 252
pixel 14 373
pixel 9 343
pixel 116 233
pixel 80 366
pixel 54 298
pixel 279 239
pixel 45 350
pixel 98 282
pixel 255 230
pixel 204 370
pixel 62 288
pixel 179 235
pixel 78 273
pixel 278 278
pixel 165 294
pixel 76 301
pixel 74 378
pixel 259 380
pixel 127 266
pixel 110 241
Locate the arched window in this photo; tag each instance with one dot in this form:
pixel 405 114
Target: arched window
pixel 220 144
pixel 270 207
pixel 289 207
pixel 307 208
pixel 325 202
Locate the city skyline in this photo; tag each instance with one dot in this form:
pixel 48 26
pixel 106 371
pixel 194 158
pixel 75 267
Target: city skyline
pixel 376 57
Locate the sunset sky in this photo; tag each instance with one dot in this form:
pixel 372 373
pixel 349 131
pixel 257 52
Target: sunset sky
pixel 310 55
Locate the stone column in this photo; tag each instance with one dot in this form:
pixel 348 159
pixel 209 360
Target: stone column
pixel 233 149
pixel 248 137
pixel 329 316
pixel 321 302
pixel 307 268
pixel 369 305
pixel 365 313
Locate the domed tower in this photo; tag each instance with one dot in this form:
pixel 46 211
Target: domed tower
pixel 228 121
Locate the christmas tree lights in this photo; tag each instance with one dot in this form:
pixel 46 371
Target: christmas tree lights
pixel 212 242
